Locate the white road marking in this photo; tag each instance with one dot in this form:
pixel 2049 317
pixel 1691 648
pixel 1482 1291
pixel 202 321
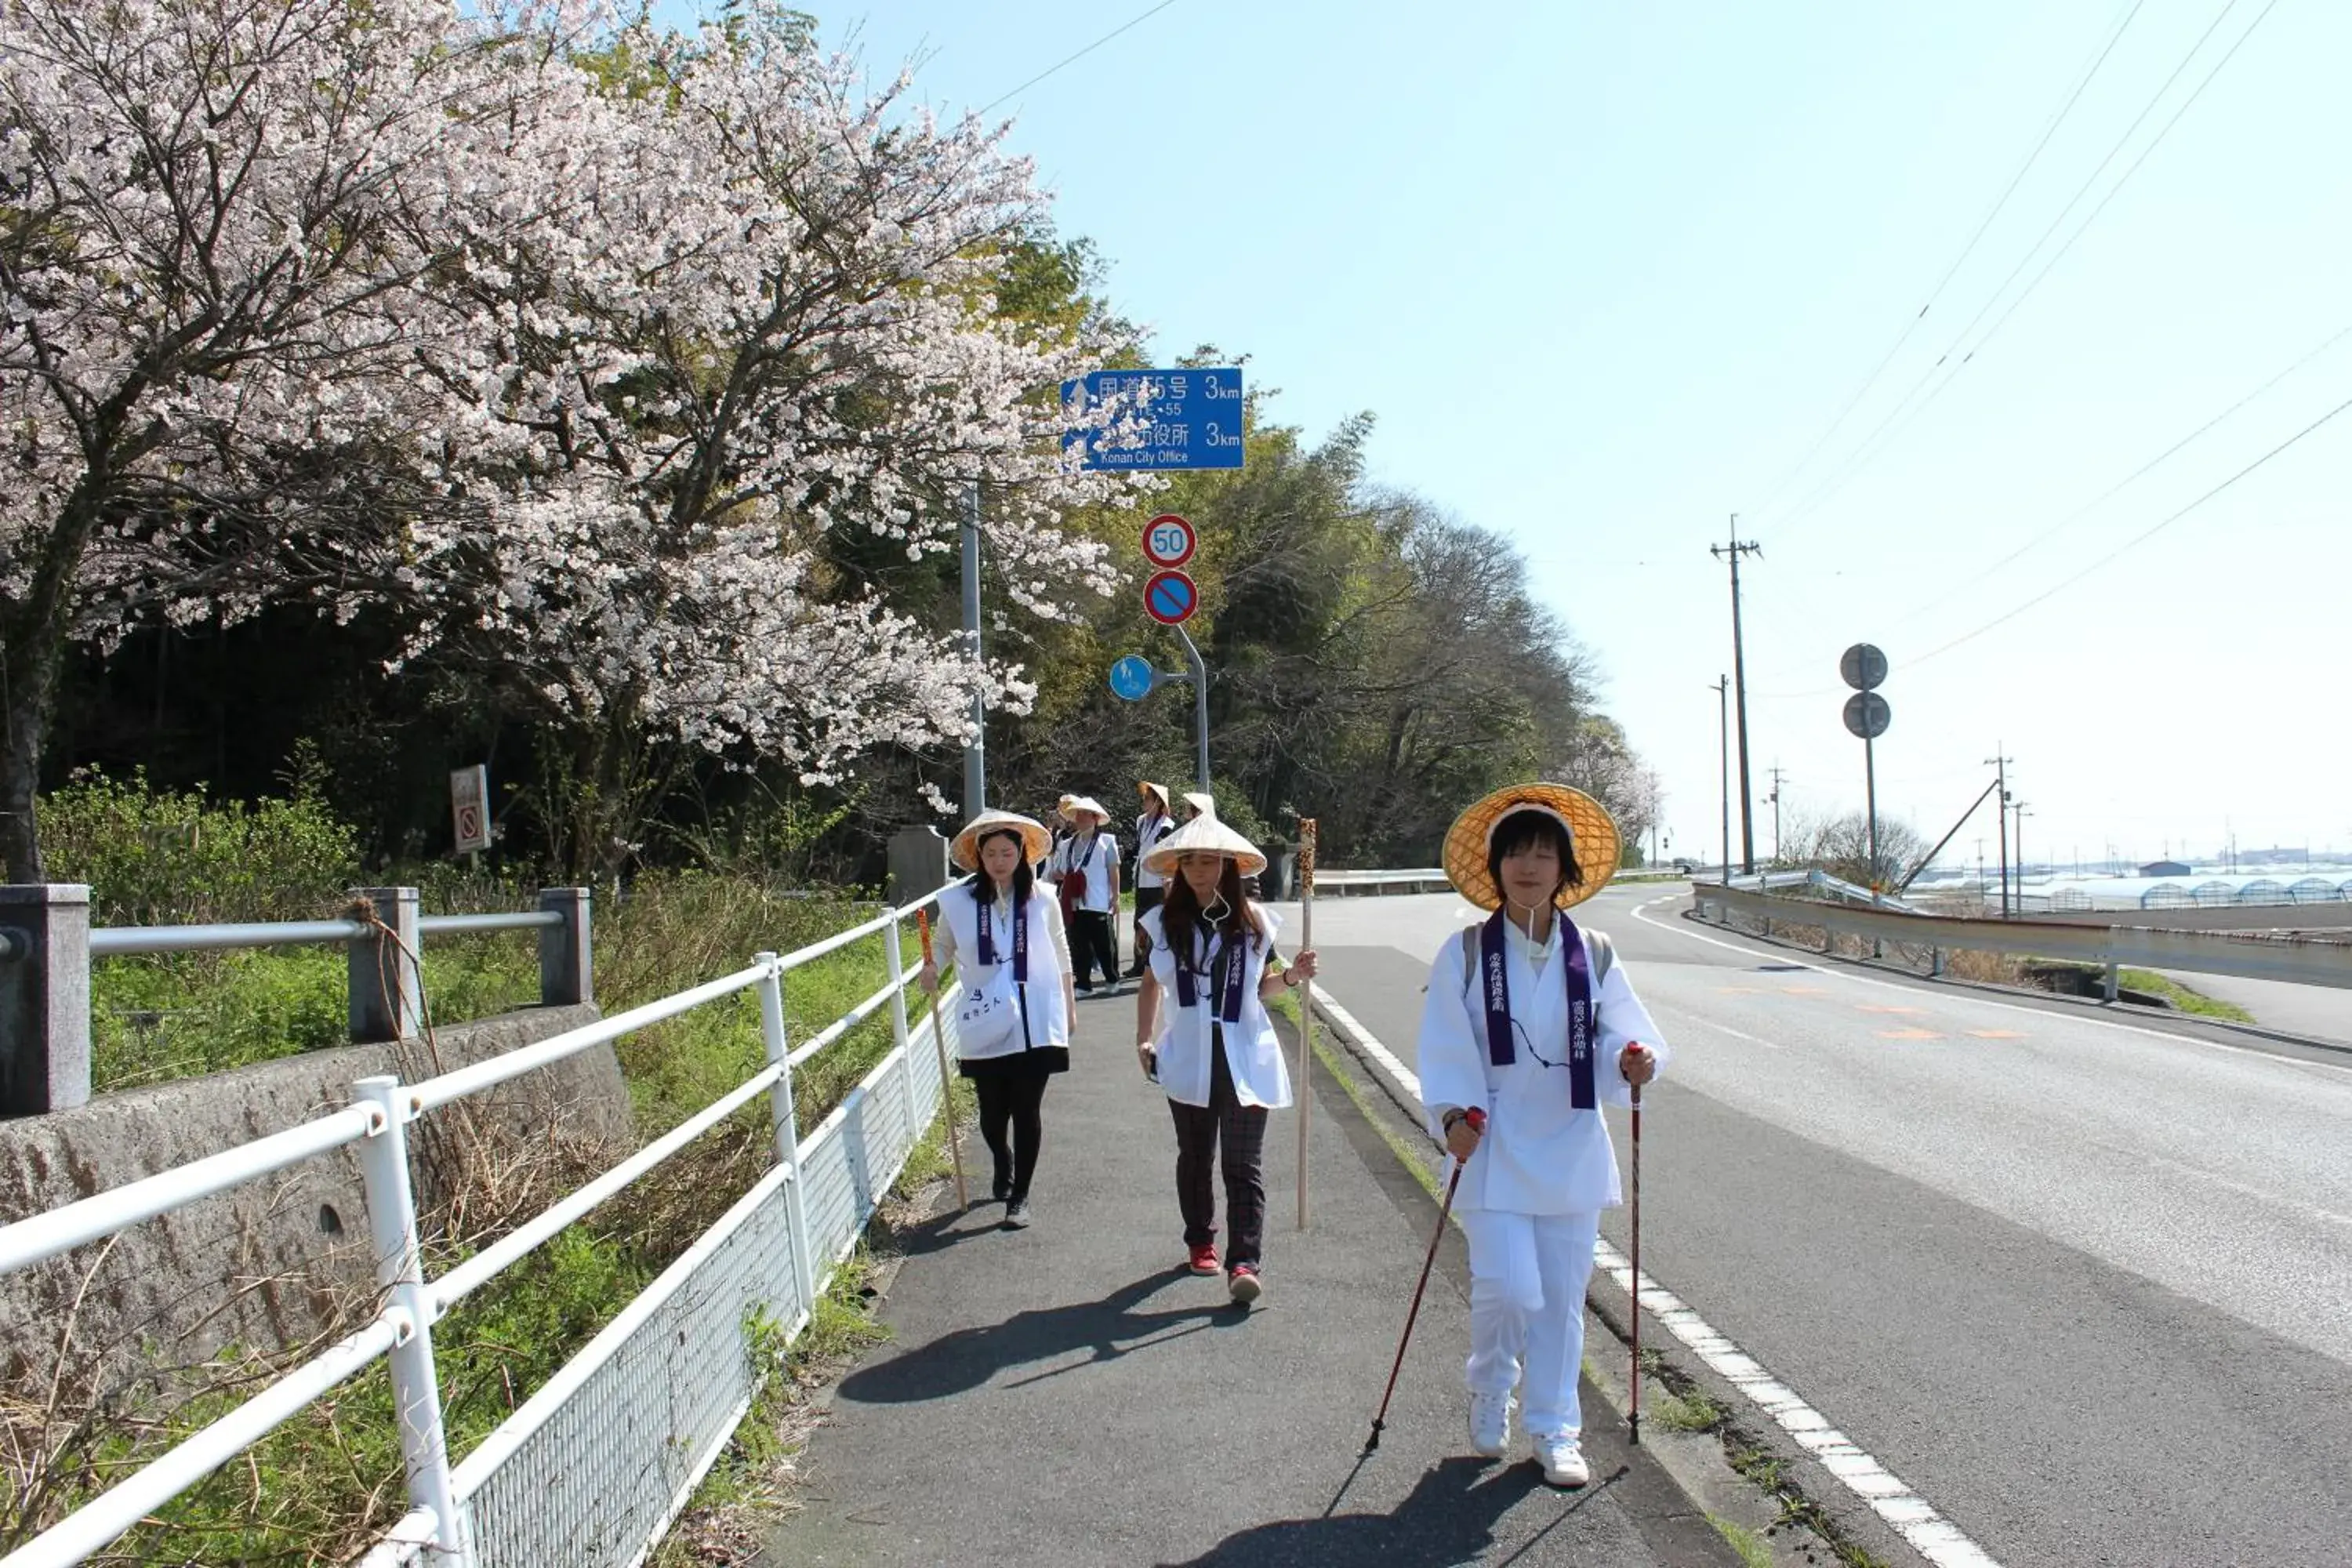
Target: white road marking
pixel 1935 1536
pixel 1788 956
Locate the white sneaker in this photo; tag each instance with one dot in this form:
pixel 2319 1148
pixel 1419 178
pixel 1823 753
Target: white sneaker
pixel 1490 1425
pixel 1562 1460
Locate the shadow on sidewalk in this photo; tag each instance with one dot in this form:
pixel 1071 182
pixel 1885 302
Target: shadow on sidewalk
pixel 1449 1519
pixel 964 1360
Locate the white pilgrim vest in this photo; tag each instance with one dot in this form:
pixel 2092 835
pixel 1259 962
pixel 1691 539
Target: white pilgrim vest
pixel 1540 1154
pixel 1049 1022
pixel 1253 1050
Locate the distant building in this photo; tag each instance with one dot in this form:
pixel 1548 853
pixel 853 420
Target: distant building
pixel 2164 869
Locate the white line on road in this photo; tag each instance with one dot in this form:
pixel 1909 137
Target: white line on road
pixel 1936 1537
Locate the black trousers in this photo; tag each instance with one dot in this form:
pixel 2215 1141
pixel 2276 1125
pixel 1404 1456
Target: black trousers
pixel 1094 940
pixel 1146 900
pixel 1012 1102
pixel 1242 1130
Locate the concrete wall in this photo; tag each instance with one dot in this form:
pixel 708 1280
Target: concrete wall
pixel 279 1261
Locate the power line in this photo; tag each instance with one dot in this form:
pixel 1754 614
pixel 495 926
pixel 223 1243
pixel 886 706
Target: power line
pixel 2046 535
pixel 1082 54
pixel 2072 97
pixel 2135 542
pixel 1872 445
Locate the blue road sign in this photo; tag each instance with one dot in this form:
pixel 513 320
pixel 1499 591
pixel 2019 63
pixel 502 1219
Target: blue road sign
pixel 1132 677
pixel 1171 597
pixel 1156 419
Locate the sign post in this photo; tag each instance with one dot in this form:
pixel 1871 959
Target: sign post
pixel 1868 715
pixel 470 808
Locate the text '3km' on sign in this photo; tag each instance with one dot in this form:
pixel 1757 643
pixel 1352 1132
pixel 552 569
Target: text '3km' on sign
pixel 1156 419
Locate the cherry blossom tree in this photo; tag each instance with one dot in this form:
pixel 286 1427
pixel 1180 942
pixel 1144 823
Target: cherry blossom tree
pixel 777 324
pixel 223 227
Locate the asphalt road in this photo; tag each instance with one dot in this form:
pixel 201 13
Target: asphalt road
pixel 1069 1394
pixel 2085 1286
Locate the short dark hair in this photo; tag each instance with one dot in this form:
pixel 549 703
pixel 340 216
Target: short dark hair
pixel 1525 828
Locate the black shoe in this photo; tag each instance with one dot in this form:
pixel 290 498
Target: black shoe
pixel 1016 1214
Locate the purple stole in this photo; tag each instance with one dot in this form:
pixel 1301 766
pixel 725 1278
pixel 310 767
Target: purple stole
pixel 1231 964
pixel 1576 968
pixel 1020 939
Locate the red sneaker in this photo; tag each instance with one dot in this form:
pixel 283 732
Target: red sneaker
pixel 1204 1259
pixel 1244 1284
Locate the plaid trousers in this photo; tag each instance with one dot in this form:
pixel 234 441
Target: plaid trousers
pixel 1242 1130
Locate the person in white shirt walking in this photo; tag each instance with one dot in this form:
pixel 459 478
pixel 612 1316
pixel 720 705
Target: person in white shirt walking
pixel 1087 868
pixel 1014 1013
pixel 1213 1049
pixel 1154 824
pixel 1535 1024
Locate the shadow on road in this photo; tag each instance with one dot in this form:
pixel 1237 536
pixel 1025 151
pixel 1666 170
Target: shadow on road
pixel 1449 1519
pixel 1111 1328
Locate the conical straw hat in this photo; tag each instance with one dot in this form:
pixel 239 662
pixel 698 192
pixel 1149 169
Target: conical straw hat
pixel 1203 835
pixel 1035 842
pixel 1147 790
pixel 1206 804
pixel 1592 831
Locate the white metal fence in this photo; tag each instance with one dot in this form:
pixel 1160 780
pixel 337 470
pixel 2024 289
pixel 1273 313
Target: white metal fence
pixel 596 1465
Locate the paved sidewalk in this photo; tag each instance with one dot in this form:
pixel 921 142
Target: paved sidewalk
pixel 1070 1394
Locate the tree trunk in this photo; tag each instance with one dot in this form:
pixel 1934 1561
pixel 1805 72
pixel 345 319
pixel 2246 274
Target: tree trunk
pixel 33 646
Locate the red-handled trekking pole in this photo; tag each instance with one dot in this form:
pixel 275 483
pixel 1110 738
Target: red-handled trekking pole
pixel 1477 1120
pixel 1634 1311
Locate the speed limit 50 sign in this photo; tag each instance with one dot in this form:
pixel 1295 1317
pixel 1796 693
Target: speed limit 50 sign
pixel 1168 541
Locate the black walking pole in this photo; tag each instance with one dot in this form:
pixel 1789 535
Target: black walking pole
pixel 1477 1120
pixel 1634 1311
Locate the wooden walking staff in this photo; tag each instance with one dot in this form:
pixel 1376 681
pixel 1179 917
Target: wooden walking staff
pixel 947 1084
pixel 1305 1004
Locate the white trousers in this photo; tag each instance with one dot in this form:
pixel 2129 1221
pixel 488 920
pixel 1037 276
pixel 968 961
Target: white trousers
pixel 1527 1273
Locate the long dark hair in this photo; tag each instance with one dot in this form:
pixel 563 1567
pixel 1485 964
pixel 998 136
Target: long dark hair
pixel 1523 830
pixel 1180 912
pixel 983 886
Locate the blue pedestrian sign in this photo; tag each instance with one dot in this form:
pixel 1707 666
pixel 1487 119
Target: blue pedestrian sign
pixel 1163 420
pixel 1133 678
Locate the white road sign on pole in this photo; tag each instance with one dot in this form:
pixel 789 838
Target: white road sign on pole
pixel 469 808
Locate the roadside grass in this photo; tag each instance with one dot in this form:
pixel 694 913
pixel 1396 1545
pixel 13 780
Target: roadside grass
pixel 318 1490
pixel 2186 998
pixel 1750 1546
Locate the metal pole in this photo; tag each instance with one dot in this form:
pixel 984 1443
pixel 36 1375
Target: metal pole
pixel 788 1138
pixel 975 752
pixel 1200 704
pixel 1723 750
pixel 400 1269
pixel 1870 777
pixel 2001 779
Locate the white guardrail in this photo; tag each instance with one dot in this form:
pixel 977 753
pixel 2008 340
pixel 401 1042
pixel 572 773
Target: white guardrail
pixel 595 1466
pixel 2297 960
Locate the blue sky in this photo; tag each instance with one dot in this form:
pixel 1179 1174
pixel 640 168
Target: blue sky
pixel 1607 273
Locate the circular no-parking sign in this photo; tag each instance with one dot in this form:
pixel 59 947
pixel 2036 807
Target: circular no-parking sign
pixel 1170 598
pixel 1168 541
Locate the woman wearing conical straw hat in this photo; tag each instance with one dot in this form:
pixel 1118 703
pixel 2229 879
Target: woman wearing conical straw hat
pixel 1212 1047
pixel 1150 828
pixel 1015 1008
pixel 1534 1023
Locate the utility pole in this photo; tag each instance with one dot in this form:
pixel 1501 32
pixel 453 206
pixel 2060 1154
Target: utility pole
pixel 975 751
pixel 2017 818
pixel 1732 553
pixel 1723 750
pixel 1777 772
pixel 2002 764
